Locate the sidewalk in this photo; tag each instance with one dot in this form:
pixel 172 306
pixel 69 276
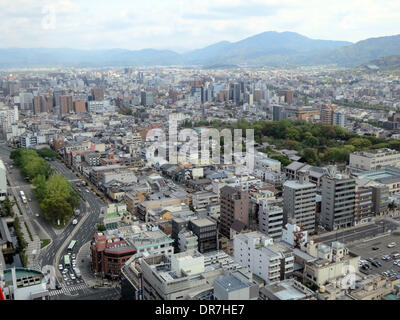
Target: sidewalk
pixel 87 274
pixel 84 267
pixel 33 249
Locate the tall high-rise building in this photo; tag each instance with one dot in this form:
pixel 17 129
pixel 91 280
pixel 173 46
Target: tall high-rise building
pixel 66 105
pixel 57 97
pixel 339 118
pixel 146 98
pixel 49 104
pixel 98 94
pixel 234 206
pixel 26 100
pixel 338 201
pixel 79 106
pixel 327 114
pixel 257 95
pixel 299 202
pixel 363 204
pixel 39 104
pixel 277 113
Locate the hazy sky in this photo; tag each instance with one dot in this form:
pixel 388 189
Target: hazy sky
pixel 187 24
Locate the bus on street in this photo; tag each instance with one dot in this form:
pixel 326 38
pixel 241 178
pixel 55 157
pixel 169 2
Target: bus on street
pixel 67 262
pixel 23 196
pixel 71 245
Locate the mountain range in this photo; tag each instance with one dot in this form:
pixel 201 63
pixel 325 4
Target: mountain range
pixel 268 48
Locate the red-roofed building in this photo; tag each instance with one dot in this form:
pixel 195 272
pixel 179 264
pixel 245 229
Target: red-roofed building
pixel 110 254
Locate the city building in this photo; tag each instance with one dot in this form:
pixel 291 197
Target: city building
pixel 109 254
pixel 23 284
pixel 333 263
pixel 288 289
pixel 267 260
pixel 270 218
pixel 234 206
pixel 66 105
pixel 235 286
pixel 362 205
pixel 188 275
pixel 338 201
pixel 299 202
pixel 374 159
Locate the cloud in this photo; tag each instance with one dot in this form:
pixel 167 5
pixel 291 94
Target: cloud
pixel 183 24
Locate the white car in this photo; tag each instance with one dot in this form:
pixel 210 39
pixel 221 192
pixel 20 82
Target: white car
pixel 73 256
pixel 65 277
pixel 391 245
pixel 60 267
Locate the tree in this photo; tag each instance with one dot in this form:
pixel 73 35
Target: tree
pixel 39 182
pixel 311 156
pixel 47 153
pixel 311 141
pixel 337 155
pixel 360 143
pixel 7 208
pixel 56 196
pixel 282 158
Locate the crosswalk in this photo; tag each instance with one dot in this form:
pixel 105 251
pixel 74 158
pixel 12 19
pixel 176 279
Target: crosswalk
pixel 68 290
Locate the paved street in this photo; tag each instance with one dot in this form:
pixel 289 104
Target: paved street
pixel 378 227
pixel 88 294
pixel 90 205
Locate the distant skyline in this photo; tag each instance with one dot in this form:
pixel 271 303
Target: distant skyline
pixel 183 25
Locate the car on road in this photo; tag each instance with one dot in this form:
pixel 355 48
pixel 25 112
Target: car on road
pixel 375 248
pixel 65 271
pixel 73 256
pixel 36 215
pixel 65 278
pixel 72 276
pixel 60 267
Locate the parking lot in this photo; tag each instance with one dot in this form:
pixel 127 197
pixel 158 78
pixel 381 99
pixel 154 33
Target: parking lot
pixel 375 250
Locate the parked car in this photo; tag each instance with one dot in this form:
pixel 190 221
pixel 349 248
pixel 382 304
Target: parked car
pixel 60 267
pixel 375 264
pixel 391 245
pixel 375 248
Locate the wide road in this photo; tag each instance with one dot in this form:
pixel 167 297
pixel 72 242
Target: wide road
pixel 18 183
pixel 91 205
pixel 346 236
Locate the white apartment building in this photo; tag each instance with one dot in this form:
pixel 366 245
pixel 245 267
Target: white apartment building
pixel 270 218
pixel 269 261
pixel 202 199
pixel 374 159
